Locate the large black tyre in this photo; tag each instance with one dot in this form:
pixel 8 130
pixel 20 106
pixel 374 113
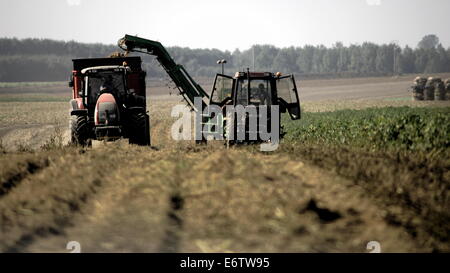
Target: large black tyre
pixel 139 129
pixel 79 129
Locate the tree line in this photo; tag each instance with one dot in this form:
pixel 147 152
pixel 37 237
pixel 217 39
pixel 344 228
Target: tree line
pixel 50 60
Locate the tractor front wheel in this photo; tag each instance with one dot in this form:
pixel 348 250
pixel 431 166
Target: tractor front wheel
pixel 79 129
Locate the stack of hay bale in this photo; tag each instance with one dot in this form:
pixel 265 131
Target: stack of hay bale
pixel 429 89
pixel 439 90
pixel 447 88
pixel 418 88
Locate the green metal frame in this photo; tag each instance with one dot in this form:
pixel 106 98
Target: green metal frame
pixel 187 86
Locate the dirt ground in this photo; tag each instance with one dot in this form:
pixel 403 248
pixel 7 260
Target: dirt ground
pixel 179 197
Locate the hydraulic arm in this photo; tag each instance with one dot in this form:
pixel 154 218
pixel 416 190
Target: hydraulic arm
pixel 188 88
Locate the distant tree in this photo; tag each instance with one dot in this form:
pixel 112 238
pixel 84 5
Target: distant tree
pixel 407 61
pixel 285 61
pixel 264 57
pixel 432 61
pixel 430 41
pixel 305 59
pixel 355 59
pixel 385 59
pixel 420 60
pixel 368 55
pixel 330 59
pixel 444 59
pixel 317 61
pixel 343 59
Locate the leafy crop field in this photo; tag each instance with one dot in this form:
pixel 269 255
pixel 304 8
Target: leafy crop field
pixel 349 172
pixel 416 129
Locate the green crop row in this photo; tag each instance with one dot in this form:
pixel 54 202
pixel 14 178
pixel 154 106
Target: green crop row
pixel 421 129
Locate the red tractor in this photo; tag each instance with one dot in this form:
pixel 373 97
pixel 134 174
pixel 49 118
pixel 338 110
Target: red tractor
pixel 108 101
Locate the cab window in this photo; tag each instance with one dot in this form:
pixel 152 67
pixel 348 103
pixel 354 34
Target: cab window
pixel 223 86
pixel 260 93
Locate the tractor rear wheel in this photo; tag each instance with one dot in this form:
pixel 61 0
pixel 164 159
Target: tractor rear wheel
pixel 79 129
pixel 139 129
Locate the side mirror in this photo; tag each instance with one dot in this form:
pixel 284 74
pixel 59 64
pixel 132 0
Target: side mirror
pixel 71 81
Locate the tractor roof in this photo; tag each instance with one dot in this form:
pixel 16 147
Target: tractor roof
pixel 133 62
pixel 253 75
pixel 105 67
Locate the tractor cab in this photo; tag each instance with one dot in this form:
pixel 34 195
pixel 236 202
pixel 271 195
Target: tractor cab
pixel 104 95
pixel 104 79
pixel 257 92
pixel 257 88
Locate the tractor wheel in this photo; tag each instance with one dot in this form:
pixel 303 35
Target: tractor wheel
pixel 139 129
pixel 79 129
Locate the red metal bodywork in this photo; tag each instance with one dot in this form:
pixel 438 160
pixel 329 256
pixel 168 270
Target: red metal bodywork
pixel 106 97
pixel 135 78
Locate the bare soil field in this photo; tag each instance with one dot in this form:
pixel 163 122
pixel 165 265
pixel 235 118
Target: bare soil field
pixel 181 197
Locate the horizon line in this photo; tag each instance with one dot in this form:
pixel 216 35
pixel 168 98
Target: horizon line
pixel 231 51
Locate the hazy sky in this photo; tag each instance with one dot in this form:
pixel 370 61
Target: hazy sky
pixel 228 24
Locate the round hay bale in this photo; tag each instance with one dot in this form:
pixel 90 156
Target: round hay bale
pixel 420 79
pixel 418 87
pixel 429 89
pixel 439 90
pixel 417 95
pixel 447 89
